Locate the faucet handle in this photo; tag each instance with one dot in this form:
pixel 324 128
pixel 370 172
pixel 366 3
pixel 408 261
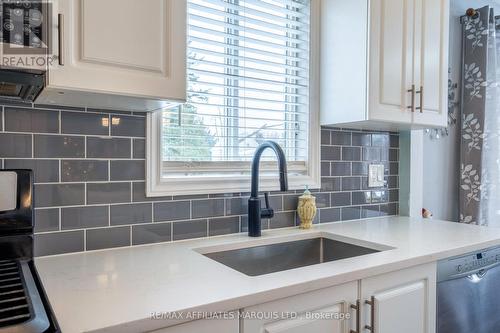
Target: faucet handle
pixel 267 212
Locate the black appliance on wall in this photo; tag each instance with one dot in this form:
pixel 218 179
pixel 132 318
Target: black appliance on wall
pixel 23 304
pixel 24 43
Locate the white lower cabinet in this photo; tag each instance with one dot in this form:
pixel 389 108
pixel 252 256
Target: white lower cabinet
pixel 401 301
pixel 205 326
pixel 313 312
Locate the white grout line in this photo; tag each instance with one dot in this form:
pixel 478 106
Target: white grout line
pixel 78 159
pixel 78 135
pixel 61 108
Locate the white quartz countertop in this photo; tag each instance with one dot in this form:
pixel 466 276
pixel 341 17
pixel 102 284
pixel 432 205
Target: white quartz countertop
pixel 117 290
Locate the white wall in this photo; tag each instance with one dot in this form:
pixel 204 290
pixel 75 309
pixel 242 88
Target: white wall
pixel 442 157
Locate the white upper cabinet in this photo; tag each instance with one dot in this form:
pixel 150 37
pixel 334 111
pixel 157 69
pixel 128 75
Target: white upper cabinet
pixel 431 62
pixel 390 68
pixel 124 54
pixel 384 63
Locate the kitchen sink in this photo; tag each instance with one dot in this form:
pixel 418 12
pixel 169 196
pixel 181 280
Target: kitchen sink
pixel 270 258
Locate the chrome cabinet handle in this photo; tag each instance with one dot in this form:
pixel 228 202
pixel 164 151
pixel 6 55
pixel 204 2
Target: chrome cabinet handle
pixel 412 91
pixel 356 307
pixel 371 303
pixel 60 23
pixel 421 93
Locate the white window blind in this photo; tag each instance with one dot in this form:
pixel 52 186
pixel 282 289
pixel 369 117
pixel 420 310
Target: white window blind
pixel 248 81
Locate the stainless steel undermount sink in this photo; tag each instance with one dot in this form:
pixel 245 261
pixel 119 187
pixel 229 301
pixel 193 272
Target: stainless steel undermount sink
pixel 276 257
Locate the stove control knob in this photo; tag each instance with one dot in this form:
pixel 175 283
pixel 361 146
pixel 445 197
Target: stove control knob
pixel 459 268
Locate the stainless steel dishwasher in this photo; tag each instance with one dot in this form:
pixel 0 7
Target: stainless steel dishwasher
pixel 468 293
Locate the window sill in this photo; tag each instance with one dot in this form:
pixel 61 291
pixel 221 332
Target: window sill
pixel 187 186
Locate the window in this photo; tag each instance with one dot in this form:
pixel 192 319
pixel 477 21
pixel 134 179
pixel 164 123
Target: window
pixel 250 79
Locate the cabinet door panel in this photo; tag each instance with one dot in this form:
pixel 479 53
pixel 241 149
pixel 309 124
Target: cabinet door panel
pixel 405 301
pixel 113 34
pixel 401 309
pixel 431 61
pixel 390 60
pixel 334 300
pixel 122 47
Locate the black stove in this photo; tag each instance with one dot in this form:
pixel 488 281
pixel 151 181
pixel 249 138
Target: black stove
pixel 23 304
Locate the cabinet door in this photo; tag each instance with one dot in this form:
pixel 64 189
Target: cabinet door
pixel 205 325
pixel 313 312
pixel 390 60
pixel 431 62
pixel 123 47
pixel 404 301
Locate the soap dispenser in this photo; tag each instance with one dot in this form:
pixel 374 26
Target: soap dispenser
pixel 306 209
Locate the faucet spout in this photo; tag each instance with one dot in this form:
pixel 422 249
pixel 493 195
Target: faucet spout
pixel 255 213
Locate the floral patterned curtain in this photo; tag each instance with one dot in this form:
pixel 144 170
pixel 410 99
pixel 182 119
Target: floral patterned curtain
pixel 480 145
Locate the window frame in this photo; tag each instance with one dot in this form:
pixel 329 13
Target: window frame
pixel 158 186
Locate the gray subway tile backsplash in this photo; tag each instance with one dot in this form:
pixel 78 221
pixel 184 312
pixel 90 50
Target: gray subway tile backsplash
pixel 84 217
pixel 340 169
pixel 84 123
pixel 46 219
pixel 84 170
pixel 350 213
pixel 107 147
pixel 370 211
pixel 282 220
pixel 361 139
pixel 341 138
pixel 223 225
pixel 361 198
pixel 351 153
pixel 151 233
pixel 16 145
pixel 208 208
pixel 31 120
pixel 131 214
pixel 59 242
pixel 45 171
pixel 90 182
pixel 351 183
pixel 105 238
pixel 57 146
pixel 102 193
pixel 171 211
pixel 54 195
pixel 132 126
pixel 329 215
pixel 127 170
pixel 330 153
pixel 190 229
pixel 340 199
pixel 325 136
pixel 139 148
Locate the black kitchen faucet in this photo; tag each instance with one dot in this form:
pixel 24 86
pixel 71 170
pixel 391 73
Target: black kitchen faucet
pixel 255 213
